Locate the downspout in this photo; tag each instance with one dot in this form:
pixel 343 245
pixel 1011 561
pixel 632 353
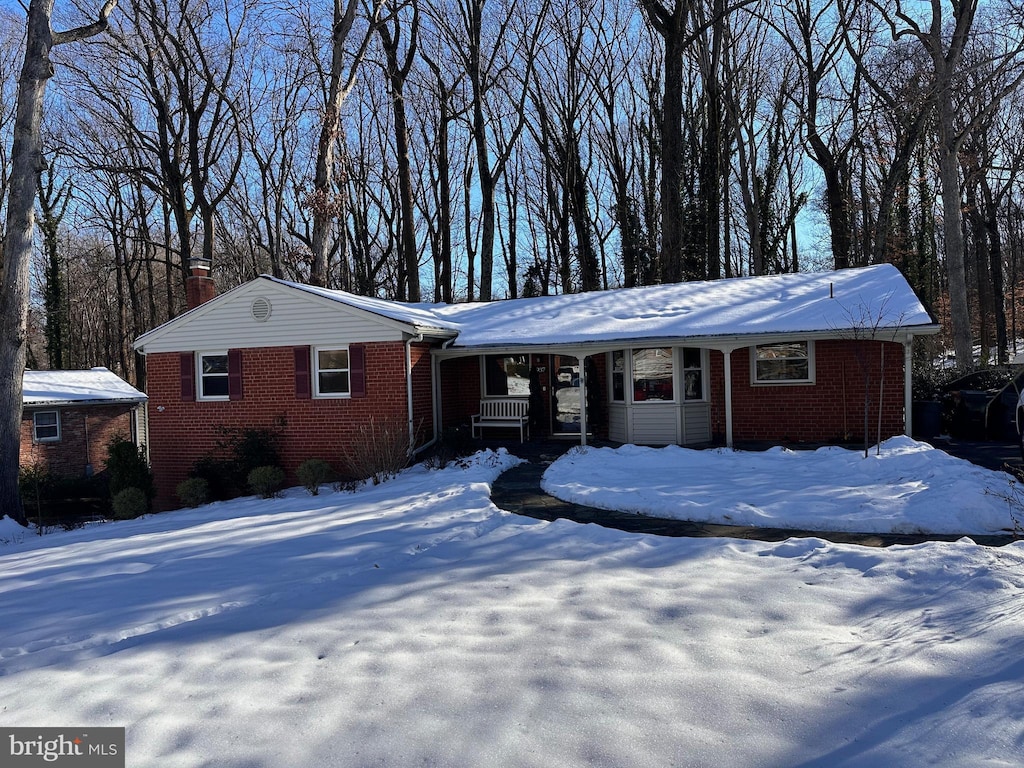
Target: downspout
pixel 408 392
pixel 435 386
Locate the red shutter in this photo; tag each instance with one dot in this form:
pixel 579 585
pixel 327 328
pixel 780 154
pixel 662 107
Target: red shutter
pixel 303 388
pixel 234 374
pixel 357 369
pixel 188 376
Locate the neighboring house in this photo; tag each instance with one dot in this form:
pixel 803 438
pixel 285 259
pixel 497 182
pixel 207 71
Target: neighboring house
pixel 69 417
pixel 780 358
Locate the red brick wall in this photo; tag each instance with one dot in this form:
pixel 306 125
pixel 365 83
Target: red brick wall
pixel 84 434
pixel 460 390
pixel 829 411
pixel 182 432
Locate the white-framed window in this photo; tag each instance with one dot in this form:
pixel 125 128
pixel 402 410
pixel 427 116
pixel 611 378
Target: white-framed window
pixel 653 375
pixel 618 369
pixel 693 373
pixel 332 372
pixel 212 375
pixel 790 362
pixel 46 426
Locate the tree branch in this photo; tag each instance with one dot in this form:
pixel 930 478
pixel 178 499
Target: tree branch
pixel 89 30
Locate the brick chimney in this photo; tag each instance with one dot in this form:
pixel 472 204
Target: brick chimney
pixel 199 287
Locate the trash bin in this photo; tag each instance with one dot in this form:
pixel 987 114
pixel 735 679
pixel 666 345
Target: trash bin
pixel 927 419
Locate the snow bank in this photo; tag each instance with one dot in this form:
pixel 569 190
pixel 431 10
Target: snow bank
pixel 910 487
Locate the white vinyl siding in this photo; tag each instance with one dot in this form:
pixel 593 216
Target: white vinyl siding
pixel 296 318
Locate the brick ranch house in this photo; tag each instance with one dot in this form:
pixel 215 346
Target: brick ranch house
pixel 777 358
pixel 69 417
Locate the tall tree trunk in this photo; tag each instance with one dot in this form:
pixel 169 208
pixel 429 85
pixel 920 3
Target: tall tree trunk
pixel 323 199
pixel 397 74
pixel 27 163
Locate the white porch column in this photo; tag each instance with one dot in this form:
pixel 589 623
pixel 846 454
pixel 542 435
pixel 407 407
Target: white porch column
pixel 908 391
pixel 727 371
pixel 581 357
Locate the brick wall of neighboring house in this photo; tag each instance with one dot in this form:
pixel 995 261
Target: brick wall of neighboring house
pixel 85 432
pixel 183 431
pixel 830 410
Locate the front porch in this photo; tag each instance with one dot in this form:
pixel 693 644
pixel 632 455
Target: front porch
pixel 645 396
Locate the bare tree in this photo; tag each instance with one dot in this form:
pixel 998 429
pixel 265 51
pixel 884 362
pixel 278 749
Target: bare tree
pixel 945 39
pixel 398 68
pixel 27 163
pixel 340 77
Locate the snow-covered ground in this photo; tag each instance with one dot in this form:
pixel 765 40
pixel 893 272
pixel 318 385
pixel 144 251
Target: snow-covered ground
pixel 413 623
pixel 907 487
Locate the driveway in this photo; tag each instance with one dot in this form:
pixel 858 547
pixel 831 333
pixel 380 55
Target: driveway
pixel 991 455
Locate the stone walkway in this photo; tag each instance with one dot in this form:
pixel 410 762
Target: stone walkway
pixel 518 490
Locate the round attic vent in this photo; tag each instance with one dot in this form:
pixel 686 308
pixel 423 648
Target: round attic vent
pixel 260 309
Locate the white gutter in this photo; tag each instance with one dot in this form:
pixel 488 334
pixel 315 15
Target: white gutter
pixel 735 341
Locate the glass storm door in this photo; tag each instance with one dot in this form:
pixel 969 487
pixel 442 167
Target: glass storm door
pixel 565 395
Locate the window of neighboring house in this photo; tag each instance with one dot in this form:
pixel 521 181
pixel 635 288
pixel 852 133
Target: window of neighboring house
pixel 653 375
pixel 506 375
pixel 693 373
pixel 791 362
pixel 332 372
pixel 46 426
pixel 618 368
pixel 213 375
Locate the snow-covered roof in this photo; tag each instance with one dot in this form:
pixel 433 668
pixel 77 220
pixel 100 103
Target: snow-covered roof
pixel 844 301
pixel 97 385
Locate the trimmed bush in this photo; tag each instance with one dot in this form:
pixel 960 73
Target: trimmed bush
pixel 130 503
pixel 127 467
pixel 238 452
pixel 313 473
pixel 193 492
pixel 266 481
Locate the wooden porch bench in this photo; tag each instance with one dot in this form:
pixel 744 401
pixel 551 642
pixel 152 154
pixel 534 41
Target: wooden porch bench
pixel 503 412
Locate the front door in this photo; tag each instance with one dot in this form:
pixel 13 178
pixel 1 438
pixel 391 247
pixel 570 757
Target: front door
pixel 565 395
